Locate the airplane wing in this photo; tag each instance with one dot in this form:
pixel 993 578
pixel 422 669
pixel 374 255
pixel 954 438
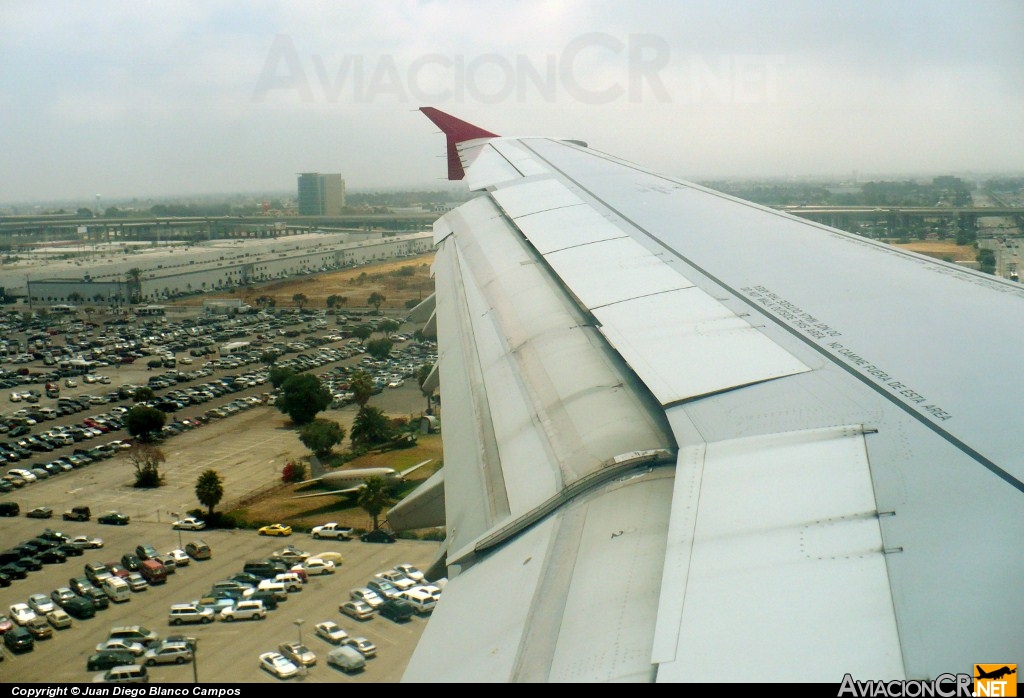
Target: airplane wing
pixel 409 471
pixel 687 435
pixel 348 490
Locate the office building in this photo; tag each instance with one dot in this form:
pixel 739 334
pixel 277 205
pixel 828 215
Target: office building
pixel 321 194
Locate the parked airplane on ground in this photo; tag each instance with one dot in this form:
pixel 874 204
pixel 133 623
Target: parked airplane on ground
pixel 685 433
pixel 354 479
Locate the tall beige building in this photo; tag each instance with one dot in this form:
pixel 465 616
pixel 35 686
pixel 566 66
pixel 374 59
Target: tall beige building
pixel 321 194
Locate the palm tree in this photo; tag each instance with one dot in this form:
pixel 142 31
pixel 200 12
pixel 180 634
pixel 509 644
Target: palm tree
pixel 422 373
pixel 134 279
pixel 361 386
pixel 374 497
pixel 209 490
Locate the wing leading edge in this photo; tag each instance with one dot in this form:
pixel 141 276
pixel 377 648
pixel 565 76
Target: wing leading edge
pixel 679 431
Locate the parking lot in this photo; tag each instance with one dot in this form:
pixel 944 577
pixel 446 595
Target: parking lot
pixel 227 652
pixel 248 446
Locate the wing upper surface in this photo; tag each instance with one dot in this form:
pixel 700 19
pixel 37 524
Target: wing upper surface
pixel 842 453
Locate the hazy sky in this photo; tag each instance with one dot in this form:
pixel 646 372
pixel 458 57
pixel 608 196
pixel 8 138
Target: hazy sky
pixel 161 98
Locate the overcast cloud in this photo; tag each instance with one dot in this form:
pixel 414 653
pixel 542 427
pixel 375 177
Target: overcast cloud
pixel 165 98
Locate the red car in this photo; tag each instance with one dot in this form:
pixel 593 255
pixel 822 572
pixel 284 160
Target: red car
pixel 5 624
pixel 118 570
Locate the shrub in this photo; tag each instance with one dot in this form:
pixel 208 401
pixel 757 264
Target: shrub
pixel 147 478
pixel 293 472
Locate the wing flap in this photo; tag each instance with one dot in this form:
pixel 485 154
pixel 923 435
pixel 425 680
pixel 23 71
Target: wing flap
pixel 530 611
pixel 534 196
pixel 640 301
pixel 784 526
pixel 612 271
pixel 658 335
pixel 557 229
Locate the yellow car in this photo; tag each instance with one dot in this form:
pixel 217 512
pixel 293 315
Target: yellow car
pixel 276 530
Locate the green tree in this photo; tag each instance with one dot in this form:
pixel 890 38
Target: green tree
pixel 209 490
pixel 375 497
pixel 279 374
pixel 142 422
pixel 362 332
pixel 269 356
pixel 143 394
pixel 361 386
pixel 376 299
pixel 146 460
pixel 300 299
pixel 371 427
pixel 379 348
pixel 987 261
pixel 387 326
pixel 321 435
pixel 302 397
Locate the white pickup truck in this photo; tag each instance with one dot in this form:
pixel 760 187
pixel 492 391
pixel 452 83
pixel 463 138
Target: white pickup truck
pixel 331 530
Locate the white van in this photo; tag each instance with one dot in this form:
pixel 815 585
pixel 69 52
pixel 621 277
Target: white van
pixel 117 589
pixel 421 599
pixel 129 673
pixel 278 589
pixel 244 610
pixel 291 580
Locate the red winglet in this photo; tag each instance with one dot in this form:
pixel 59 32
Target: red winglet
pixel 456 131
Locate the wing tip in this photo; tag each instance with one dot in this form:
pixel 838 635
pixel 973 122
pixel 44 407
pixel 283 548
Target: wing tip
pixel 455 131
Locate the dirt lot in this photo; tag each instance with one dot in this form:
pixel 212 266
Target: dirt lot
pixel 356 285
pixel 942 249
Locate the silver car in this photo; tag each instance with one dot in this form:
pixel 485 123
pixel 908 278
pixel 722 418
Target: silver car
pixel 168 653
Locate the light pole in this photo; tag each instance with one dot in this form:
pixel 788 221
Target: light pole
pixel 195 660
pixel 177 517
pixel 298 623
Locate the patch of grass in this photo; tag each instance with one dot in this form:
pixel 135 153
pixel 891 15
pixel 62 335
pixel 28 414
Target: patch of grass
pixel 279 506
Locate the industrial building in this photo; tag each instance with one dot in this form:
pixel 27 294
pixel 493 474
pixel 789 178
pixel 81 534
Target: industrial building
pixel 184 270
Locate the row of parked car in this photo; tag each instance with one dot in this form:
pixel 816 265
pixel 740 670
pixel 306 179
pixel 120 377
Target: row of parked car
pixel 15 478
pixel 37 618
pixel 396 594
pixel 100 585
